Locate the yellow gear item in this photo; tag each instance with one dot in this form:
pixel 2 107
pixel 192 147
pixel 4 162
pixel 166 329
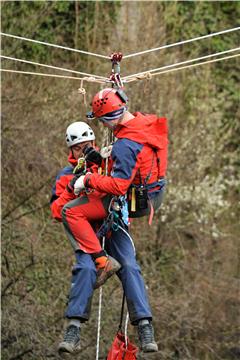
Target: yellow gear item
pixel 81 165
pixel 133 200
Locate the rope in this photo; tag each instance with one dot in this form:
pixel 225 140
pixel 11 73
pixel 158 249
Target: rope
pixel 56 46
pixel 82 91
pixel 185 67
pixel 99 313
pixel 149 72
pixel 103 245
pixel 50 66
pixel 125 329
pixel 128 80
pixel 182 42
pixel 90 79
pixel 126 56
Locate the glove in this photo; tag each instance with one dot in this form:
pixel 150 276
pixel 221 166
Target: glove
pixel 70 185
pixel 92 155
pixel 105 152
pixel 79 185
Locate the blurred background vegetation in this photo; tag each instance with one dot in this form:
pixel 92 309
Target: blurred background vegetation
pixel 190 255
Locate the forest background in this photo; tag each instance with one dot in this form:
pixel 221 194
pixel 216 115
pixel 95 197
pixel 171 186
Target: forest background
pixel 190 255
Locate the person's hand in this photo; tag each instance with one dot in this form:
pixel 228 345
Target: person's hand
pixel 79 183
pixel 70 185
pixel 105 152
pixel 92 155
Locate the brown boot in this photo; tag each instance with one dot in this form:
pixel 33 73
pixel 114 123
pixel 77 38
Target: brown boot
pixel 111 266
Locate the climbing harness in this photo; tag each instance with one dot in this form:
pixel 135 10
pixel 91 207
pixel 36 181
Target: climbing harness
pixel 117 216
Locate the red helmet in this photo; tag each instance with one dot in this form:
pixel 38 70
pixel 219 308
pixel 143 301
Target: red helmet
pixel 107 101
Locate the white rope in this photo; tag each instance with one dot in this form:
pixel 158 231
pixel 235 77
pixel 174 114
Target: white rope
pixel 131 79
pixel 201 63
pixel 99 313
pixel 103 245
pixel 90 79
pixel 180 63
pixel 54 45
pixel 182 42
pixel 125 329
pixel 50 66
pixel 185 67
pixel 99 322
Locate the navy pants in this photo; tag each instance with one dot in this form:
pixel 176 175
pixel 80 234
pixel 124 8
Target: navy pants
pixel 119 246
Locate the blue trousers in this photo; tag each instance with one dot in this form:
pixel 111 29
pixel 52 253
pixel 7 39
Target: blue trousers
pixel 119 246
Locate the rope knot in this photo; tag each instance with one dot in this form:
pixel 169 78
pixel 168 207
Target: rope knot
pixel 82 91
pixel 148 76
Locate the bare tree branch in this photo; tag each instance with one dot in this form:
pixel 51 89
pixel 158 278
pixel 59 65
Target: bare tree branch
pixel 28 197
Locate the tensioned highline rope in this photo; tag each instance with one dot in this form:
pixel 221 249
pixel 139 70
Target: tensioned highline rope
pixel 179 68
pixel 142 77
pixel 89 79
pixel 180 63
pixel 130 79
pixel 51 66
pixel 56 46
pixel 181 42
pixel 126 56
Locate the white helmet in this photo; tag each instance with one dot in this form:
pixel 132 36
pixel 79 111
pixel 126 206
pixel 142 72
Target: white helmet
pixel 79 132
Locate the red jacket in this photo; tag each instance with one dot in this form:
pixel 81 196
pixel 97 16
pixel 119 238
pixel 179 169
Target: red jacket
pixel 139 155
pixel 60 195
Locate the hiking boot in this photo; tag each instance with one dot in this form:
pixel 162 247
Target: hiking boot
pixel 111 266
pixel 71 342
pixel 146 337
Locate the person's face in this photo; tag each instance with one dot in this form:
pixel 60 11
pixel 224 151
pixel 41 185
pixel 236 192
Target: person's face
pixel 110 124
pixel 77 149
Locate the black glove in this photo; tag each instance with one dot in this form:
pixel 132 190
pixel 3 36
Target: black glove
pixel 92 155
pixel 70 185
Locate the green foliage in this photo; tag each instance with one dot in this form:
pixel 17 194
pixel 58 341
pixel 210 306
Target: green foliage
pixel 65 23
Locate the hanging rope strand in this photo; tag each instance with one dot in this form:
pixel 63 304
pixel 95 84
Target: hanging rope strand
pixel 181 42
pixel 99 316
pixel 104 143
pixel 51 66
pixel 180 63
pixel 54 45
pixel 82 91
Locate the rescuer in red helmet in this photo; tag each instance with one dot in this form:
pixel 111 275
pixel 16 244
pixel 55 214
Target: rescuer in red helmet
pixel 137 178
